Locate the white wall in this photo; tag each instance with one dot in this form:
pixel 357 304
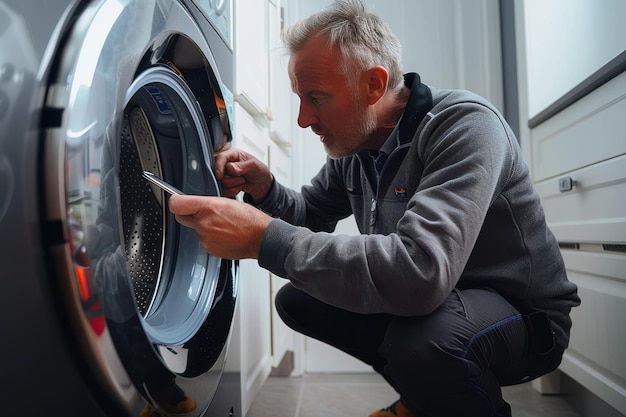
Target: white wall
pixel 450 43
pixel 568 40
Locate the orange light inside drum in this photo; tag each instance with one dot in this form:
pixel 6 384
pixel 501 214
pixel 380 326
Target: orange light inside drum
pixel 94 312
pixel 82 277
pixel 219 102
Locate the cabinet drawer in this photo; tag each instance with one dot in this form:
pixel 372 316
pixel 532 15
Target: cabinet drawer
pixel 594 210
pixel 589 131
pixel 280 164
pixel 250 136
pixel 595 357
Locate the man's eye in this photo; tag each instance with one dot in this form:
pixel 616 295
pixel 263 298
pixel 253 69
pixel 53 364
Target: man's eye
pixel 315 100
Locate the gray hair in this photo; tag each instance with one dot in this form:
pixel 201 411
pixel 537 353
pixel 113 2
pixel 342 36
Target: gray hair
pixel 363 38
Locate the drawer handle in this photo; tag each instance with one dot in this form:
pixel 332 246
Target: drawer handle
pixel 566 184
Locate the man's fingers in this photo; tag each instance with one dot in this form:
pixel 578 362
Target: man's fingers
pixel 187 205
pixel 225 158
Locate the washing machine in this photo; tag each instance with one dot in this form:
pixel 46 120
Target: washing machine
pixel 109 307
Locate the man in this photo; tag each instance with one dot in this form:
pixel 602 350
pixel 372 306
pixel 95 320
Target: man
pixel 456 286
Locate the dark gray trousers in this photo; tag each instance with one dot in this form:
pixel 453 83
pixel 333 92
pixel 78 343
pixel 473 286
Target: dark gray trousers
pixel 449 363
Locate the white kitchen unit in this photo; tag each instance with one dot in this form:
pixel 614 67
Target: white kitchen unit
pixel 253 319
pixel 579 162
pixel 282 122
pixel 280 109
pixel 252 57
pixel 575 144
pixel 261 113
pixel 282 336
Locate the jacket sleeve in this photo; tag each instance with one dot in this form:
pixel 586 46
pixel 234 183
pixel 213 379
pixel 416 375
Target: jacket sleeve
pixel 318 207
pixel 466 152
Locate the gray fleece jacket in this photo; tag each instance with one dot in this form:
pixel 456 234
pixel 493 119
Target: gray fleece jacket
pixel 453 206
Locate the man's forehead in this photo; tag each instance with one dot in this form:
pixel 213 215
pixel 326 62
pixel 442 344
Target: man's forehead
pixel 313 78
pixel 311 69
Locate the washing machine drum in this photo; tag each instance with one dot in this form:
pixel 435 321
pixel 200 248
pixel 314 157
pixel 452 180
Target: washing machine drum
pixel 136 89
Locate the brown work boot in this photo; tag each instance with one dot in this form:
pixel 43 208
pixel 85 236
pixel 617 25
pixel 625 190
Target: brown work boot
pixel 396 409
pixel 148 411
pixel 171 398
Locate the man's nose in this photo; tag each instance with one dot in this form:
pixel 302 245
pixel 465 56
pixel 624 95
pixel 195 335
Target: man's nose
pixel 306 116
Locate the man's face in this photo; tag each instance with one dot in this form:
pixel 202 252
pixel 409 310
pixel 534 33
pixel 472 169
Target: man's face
pixel 340 115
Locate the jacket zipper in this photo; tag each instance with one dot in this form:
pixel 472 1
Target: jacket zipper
pixel 373 214
pixel 374 202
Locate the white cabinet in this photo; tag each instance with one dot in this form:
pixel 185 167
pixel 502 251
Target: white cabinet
pixel 252 57
pixel 253 321
pixel 262 82
pixel 281 123
pixel 262 121
pixel 282 336
pixel 280 110
pixel 578 158
pixel 250 136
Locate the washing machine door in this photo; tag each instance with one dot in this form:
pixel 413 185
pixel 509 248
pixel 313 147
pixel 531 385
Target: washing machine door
pixel 135 88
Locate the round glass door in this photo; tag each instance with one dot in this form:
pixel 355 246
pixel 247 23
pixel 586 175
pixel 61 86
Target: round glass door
pixel 173 278
pixel 150 309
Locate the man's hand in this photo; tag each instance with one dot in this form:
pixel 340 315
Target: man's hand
pixel 226 228
pixel 239 171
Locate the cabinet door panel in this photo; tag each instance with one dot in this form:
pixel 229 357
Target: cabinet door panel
pixel 589 131
pixel 250 136
pixel 251 55
pixel 280 100
pixel 254 286
pixel 282 336
pixel 595 357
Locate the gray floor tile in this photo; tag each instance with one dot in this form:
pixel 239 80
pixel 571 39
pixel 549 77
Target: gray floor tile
pixel 527 402
pixel 357 395
pixel 279 397
pixel 339 397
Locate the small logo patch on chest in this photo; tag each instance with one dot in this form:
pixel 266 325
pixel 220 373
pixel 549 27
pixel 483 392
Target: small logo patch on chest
pixel 400 192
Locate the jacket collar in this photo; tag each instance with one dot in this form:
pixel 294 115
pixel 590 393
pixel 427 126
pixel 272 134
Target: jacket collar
pixel 419 104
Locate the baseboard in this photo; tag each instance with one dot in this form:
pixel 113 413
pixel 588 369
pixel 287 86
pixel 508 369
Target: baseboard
pixel 285 367
pixel 584 401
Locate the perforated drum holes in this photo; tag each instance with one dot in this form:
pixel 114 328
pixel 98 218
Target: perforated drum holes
pixel 141 207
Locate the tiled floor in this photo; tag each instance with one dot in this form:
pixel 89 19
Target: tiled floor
pixel 357 395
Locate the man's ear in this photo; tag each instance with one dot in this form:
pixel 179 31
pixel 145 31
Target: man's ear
pixel 377 83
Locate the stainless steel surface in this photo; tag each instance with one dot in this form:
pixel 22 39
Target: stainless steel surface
pixel 219 13
pixel 97 274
